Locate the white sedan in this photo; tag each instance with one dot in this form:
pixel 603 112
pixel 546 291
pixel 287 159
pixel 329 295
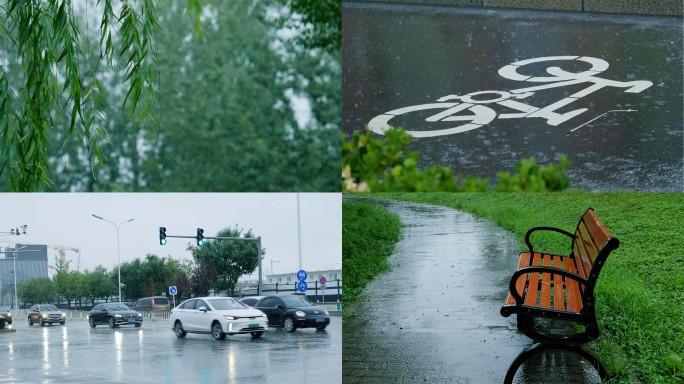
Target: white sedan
pixel 219 316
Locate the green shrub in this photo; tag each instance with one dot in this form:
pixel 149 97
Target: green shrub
pixel 385 165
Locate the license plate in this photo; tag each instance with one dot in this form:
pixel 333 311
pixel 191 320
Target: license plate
pixel 55 319
pixel 254 325
pixel 131 320
pixel 320 320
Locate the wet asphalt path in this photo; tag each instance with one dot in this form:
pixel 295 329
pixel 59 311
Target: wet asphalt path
pixel 397 56
pixel 75 353
pixel 435 318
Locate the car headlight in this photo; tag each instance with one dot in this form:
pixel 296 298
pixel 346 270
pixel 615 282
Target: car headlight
pixel 300 313
pixel 264 316
pixel 117 315
pixel 139 314
pixel 326 312
pixel 45 316
pixel 63 314
pixel 9 315
pixel 230 318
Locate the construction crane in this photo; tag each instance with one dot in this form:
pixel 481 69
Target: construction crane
pixel 61 250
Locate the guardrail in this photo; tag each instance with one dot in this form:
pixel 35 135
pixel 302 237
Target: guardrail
pixel 22 315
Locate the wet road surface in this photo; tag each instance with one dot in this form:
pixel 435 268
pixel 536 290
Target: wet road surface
pixel 435 316
pixel 75 353
pixel 484 79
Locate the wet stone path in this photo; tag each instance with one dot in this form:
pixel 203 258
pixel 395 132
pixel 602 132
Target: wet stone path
pixel 435 316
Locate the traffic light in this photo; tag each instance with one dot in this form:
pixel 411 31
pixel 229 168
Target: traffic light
pixel 200 237
pixel 162 235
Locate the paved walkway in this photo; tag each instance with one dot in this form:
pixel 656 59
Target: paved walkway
pixel 482 88
pixel 435 318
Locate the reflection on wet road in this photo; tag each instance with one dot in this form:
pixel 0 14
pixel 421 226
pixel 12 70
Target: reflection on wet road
pixel 479 91
pixel 435 316
pixel 75 353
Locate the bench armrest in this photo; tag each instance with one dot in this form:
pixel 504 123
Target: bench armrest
pixel 539 269
pixel 552 229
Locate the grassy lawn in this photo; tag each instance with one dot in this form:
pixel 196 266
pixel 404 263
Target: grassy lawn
pixel 368 237
pixel 640 293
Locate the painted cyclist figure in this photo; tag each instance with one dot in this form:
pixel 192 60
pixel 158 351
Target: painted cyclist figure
pixel 480 104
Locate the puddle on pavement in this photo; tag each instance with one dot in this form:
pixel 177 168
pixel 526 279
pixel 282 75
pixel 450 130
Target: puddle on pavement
pixel 400 56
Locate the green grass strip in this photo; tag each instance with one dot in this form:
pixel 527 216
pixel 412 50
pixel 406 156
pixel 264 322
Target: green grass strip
pixel 640 293
pixel 368 237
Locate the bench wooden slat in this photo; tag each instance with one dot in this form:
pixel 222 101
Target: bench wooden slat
pixel 572 296
pixel 533 283
pixel 558 289
pixel 599 232
pixel 586 249
pixel 524 261
pixel 545 298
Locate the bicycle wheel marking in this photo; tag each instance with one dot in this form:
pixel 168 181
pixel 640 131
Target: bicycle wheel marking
pixel 477 108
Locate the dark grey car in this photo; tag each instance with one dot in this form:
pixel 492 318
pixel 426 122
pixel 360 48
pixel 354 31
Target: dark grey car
pixel 4 312
pixel 114 315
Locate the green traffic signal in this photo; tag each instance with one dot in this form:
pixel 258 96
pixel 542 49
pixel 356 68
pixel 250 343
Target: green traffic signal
pixel 200 237
pixel 162 235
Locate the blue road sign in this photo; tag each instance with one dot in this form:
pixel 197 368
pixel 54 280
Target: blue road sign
pixel 301 275
pixel 172 290
pixel 301 286
pixel 322 280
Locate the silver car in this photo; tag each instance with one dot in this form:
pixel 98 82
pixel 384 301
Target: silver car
pixel 219 316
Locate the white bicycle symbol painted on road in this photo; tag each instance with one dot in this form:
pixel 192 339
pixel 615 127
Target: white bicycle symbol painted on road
pixel 473 109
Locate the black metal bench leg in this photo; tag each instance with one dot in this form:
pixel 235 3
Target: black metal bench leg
pixel 541 347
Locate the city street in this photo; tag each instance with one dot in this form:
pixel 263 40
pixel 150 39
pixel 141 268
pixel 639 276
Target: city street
pixel 75 353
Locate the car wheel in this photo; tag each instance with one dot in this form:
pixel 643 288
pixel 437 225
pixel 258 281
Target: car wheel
pixel 289 325
pixel 138 325
pixel 62 322
pixel 91 321
pixel 217 331
pixel 178 329
pixel 322 327
pixel 30 322
pixel 111 323
pixel 257 335
pixel 41 322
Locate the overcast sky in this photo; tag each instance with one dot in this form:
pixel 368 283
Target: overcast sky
pixel 66 220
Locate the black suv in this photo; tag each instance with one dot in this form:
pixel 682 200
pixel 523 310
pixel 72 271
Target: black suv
pixel 292 312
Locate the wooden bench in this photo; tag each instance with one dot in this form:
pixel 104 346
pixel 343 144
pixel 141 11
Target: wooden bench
pixel 547 285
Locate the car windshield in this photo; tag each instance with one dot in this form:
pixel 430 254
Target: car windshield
pixel 227 303
pixel 117 307
pixel 296 301
pixel 161 301
pixel 3 309
pixel 48 308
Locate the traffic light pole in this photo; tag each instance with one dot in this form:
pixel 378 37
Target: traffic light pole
pixel 257 239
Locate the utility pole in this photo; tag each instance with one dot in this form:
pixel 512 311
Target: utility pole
pixel 299 233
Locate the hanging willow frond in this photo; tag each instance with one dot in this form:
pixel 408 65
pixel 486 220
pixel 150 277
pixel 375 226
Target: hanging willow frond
pixel 47 40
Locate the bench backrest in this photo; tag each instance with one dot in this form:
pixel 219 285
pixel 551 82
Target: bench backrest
pixel 591 246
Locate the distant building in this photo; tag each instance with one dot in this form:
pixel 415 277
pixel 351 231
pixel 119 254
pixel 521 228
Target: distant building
pixel 29 265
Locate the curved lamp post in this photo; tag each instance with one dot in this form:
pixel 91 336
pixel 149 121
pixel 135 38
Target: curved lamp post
pixel 118 256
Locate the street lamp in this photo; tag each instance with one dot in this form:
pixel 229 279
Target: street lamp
pixel 118 255
pixel 14 261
